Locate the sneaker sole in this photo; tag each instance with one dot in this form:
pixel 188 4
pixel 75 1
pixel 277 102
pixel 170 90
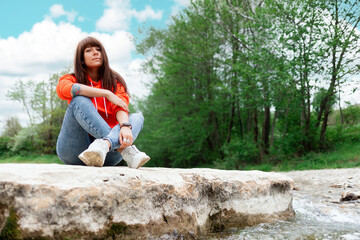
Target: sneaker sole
pixel 143 161
pixel 92 159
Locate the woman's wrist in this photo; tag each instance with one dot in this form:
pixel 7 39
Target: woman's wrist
pixel 107 93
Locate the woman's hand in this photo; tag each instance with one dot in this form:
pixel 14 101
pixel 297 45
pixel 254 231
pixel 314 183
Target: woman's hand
pixel 125 137
pixel 117 101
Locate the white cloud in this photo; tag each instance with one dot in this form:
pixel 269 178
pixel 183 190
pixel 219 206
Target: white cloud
pixel 147 13
pixel 45 48
pixel 49 48
pixel 118 14
pixel 179 4
pixel 136 80
pixel 71 16
pixel 57 10
pixel 183 3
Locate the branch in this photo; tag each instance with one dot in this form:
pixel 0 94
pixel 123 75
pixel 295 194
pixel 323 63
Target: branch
pixel 227 30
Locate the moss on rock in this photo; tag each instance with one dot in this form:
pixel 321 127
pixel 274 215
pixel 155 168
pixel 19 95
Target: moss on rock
pixel 11 229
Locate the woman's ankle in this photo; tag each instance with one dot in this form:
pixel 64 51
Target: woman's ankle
pixel 108 143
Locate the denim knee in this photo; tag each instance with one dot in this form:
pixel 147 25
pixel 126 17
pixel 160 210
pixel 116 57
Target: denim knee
pixel 137 118
pixel 140 116
pixel 81 101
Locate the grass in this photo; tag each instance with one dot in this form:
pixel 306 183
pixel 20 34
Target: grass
pixel 31 158
pixel 345 155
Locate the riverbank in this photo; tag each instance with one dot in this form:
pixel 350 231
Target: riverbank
pixel 327 185
pixel 321 211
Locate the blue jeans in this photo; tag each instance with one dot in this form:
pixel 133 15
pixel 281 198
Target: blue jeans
pixel 82 120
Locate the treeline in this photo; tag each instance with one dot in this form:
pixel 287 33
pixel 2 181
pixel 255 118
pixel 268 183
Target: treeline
pixel 236 83
pixel 45 112
pixel 244 81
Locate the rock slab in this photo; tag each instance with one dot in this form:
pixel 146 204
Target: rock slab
pixel 52 201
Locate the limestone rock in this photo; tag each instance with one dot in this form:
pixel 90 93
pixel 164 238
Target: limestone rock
pixel 57 201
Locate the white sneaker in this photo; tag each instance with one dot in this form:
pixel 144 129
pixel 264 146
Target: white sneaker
pixel 133 157
pixel 95 154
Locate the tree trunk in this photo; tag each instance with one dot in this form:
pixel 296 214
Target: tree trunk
pixel 231 122
pixel 266 130
pixel 273 129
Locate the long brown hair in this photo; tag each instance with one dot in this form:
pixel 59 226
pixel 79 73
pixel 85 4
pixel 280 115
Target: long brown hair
pixel 108 76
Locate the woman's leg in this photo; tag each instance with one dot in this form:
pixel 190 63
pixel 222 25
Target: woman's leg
pixel 114 157
pixel 80 120
pixel 137 122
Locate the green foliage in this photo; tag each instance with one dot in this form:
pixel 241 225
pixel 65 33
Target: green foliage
pixel 188 93
pixel 319 97
pixel 11 229
pixel 117 229
pixel 45 111
pixel 235 85
pixel 235 82
pixel 238 153
pixel 21 92
pixel 351 115
pixel 25 157
pixel 4 145
pixel 25 140
pixel 12 127
pixel 343 155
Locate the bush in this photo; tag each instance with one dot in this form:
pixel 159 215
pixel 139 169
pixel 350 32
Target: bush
pixel 4 146
pixel 25 140
pixel 238 153
pixel 351 114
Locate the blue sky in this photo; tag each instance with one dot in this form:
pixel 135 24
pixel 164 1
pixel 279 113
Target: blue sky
pixel 15 19
pixel 38 38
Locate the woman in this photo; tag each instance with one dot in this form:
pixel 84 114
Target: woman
pixel 97 129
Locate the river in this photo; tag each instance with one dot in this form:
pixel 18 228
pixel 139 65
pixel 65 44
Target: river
pixel 319 212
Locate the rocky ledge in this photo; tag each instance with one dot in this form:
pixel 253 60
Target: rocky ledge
pixel 51 201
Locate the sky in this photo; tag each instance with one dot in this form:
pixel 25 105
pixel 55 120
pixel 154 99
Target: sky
pixel 38 38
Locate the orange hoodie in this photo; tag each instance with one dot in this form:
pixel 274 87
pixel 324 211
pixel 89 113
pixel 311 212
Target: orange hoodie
pixel 106 109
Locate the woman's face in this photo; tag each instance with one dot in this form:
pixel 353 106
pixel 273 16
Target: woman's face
pixel 92 57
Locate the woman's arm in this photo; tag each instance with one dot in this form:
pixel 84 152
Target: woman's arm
pixel 83 90
pixel 125 132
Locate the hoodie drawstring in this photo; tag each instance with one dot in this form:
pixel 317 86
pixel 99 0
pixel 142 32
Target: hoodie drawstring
pixel 96 106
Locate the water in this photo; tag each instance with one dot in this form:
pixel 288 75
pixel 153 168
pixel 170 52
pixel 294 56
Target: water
pixel 314 220
pixel 320 215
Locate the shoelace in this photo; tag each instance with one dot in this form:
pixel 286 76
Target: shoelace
pixel 135 148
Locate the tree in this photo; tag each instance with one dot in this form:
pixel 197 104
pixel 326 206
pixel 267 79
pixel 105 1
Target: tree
pixel 12 127
pixel 237 81
pixel 342 40
pixel 21 92
pixel 188 97
pixel 45 111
